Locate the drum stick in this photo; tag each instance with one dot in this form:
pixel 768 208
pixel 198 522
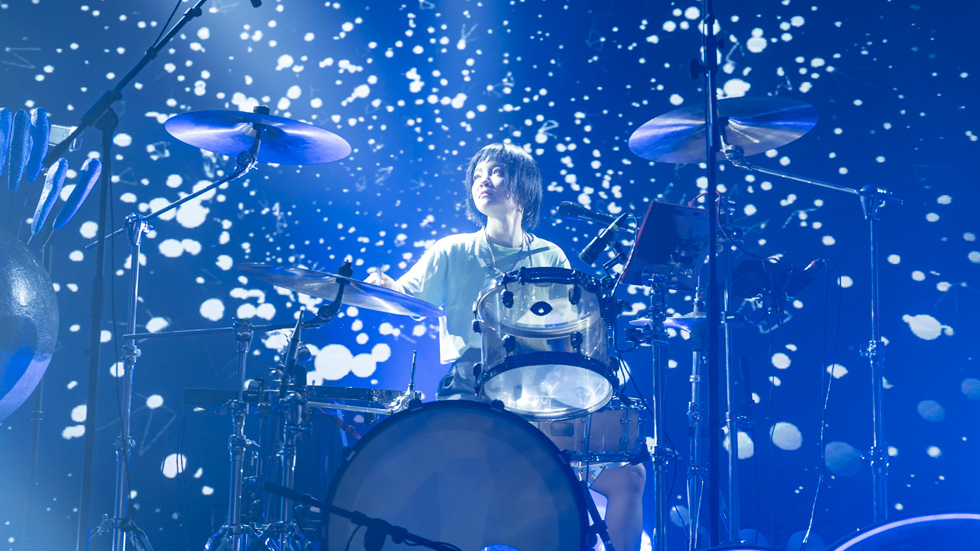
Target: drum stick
pixel 411 381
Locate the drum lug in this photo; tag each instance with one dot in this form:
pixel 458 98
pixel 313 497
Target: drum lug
pixel 497 405
pixel 477 369
pixel 577 342
pixel 477 326
pixel 507 298
pixel 510 342
pixel 575 295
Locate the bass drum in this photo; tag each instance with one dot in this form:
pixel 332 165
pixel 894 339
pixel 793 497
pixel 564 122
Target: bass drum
pixel 462 473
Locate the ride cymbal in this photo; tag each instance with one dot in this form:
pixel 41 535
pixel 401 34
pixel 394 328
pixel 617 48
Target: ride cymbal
pixel 755 124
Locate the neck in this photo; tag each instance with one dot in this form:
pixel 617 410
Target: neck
pixel 506 232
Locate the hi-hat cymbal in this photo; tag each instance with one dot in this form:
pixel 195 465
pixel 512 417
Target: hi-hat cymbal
pixel 283 141
pixel 687 322
pixel 356 293
pixel 755 124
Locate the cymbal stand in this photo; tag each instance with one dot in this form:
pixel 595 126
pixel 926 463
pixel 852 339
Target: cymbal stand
pixel 708 67
pixel 284 534
pixel 872 200
pixel 655 335
pixel 724 260
pixel 234 535
pixel 136 227
pixel 696 468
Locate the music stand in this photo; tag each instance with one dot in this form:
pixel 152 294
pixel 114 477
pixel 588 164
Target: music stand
pixel 672 241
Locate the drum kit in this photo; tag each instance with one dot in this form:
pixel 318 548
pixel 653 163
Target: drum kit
pixel 507 471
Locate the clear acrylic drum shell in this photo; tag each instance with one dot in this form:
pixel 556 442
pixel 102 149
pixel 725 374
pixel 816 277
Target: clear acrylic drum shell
pixel 555 348
pixel 608 437
pixel 463 473
pixel 537 331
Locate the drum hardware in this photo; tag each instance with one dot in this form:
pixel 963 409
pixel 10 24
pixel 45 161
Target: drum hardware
pixel 284 533
pixel 545 351
pixel 873 199
pixel 378 531
pixel 236 534
pixel 667 251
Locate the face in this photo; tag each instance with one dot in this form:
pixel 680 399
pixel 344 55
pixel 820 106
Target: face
pixel 490 190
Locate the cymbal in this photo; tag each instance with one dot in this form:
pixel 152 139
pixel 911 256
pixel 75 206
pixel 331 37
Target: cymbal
pixel 356 293
pixel 686 322
pixel 284 141
pixel 755 124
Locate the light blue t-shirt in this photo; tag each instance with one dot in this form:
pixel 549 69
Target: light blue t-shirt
pixel 454 272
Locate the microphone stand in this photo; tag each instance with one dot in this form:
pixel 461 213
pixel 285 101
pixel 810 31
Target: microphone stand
pixel 872 199
pixel 378 530
pixel 37 415
pixel 102 116
pixel 709 68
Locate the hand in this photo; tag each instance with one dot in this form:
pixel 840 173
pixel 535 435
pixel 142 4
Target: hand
pixel 382 280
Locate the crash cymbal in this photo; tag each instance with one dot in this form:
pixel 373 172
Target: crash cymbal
pixel 284 141
pixel 755 124
pixel 356 292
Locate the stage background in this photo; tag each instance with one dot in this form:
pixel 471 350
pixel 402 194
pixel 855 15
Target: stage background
pixel 416 88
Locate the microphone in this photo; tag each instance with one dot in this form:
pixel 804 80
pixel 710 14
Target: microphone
pixel 91 170
pixel 575 211
pixel 20 148
pixel 595 247
pixel 49 195
pixel 40 131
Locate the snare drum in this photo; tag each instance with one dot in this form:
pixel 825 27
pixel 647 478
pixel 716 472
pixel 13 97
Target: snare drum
pixel 462 473
pixel 610 437
pixel 545 343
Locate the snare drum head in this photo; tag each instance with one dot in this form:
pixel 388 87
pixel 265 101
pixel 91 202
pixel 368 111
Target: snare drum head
pixel 460 473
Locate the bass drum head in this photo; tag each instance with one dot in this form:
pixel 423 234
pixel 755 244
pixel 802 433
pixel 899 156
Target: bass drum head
pixel 461 473
pixel 950 531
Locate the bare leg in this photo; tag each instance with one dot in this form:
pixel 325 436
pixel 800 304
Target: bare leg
pixel 623 488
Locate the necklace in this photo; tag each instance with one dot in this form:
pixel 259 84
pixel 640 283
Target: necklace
pixel 525 241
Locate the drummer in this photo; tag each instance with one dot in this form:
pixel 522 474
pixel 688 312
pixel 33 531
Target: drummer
pixel 503 190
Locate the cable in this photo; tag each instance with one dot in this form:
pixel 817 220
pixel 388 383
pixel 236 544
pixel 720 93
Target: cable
pixel 351 538
pixel 826 399
pixel 163 28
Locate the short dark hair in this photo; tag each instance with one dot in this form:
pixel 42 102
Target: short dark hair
pixel 523 180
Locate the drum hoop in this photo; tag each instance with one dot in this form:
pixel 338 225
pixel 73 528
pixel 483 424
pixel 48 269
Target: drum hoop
pixel 511 363
pixel 607 305
pixel 549 446
pixel 542 358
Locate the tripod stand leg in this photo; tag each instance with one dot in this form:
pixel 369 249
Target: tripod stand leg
pixel 598 525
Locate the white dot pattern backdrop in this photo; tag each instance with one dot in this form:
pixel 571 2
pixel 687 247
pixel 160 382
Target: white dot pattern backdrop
pixel 416 88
